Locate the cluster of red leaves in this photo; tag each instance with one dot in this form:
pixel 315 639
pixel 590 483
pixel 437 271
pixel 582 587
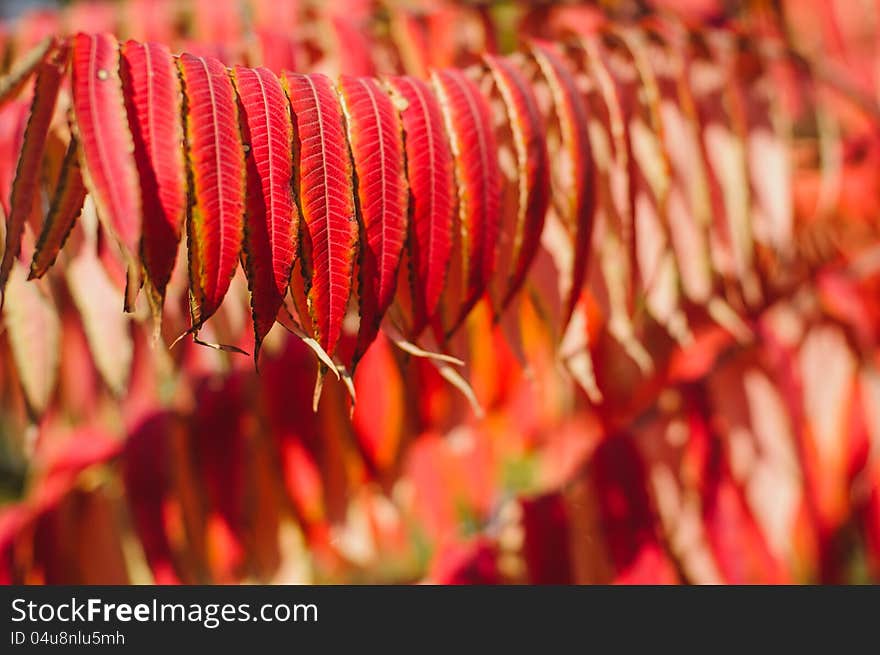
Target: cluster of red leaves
pixel 644 250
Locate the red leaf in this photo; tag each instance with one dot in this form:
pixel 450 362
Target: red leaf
pixel 374 133
pixel 431 186
pixel 27 174
pixel 217 174
pixel 478 179
pixel 153 93
pixel 577 208
pixel 272 218
pixel 66 205
pixel 532 168
pixel 326 199
pixel 109 170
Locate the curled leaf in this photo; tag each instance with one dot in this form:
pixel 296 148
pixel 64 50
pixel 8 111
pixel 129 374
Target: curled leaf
pixel 65 207
pixel 27 175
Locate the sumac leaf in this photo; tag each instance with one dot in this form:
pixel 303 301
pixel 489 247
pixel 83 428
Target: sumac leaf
pixel 270 235
pixel 152 90
pixel 27 175
pixel 106 144
pixel 374 132
pixel 429 171
pixel 478 180
pixel 323 182
pixel 217 182
pixel 65 207
pixel 576 199
pixel 532 168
